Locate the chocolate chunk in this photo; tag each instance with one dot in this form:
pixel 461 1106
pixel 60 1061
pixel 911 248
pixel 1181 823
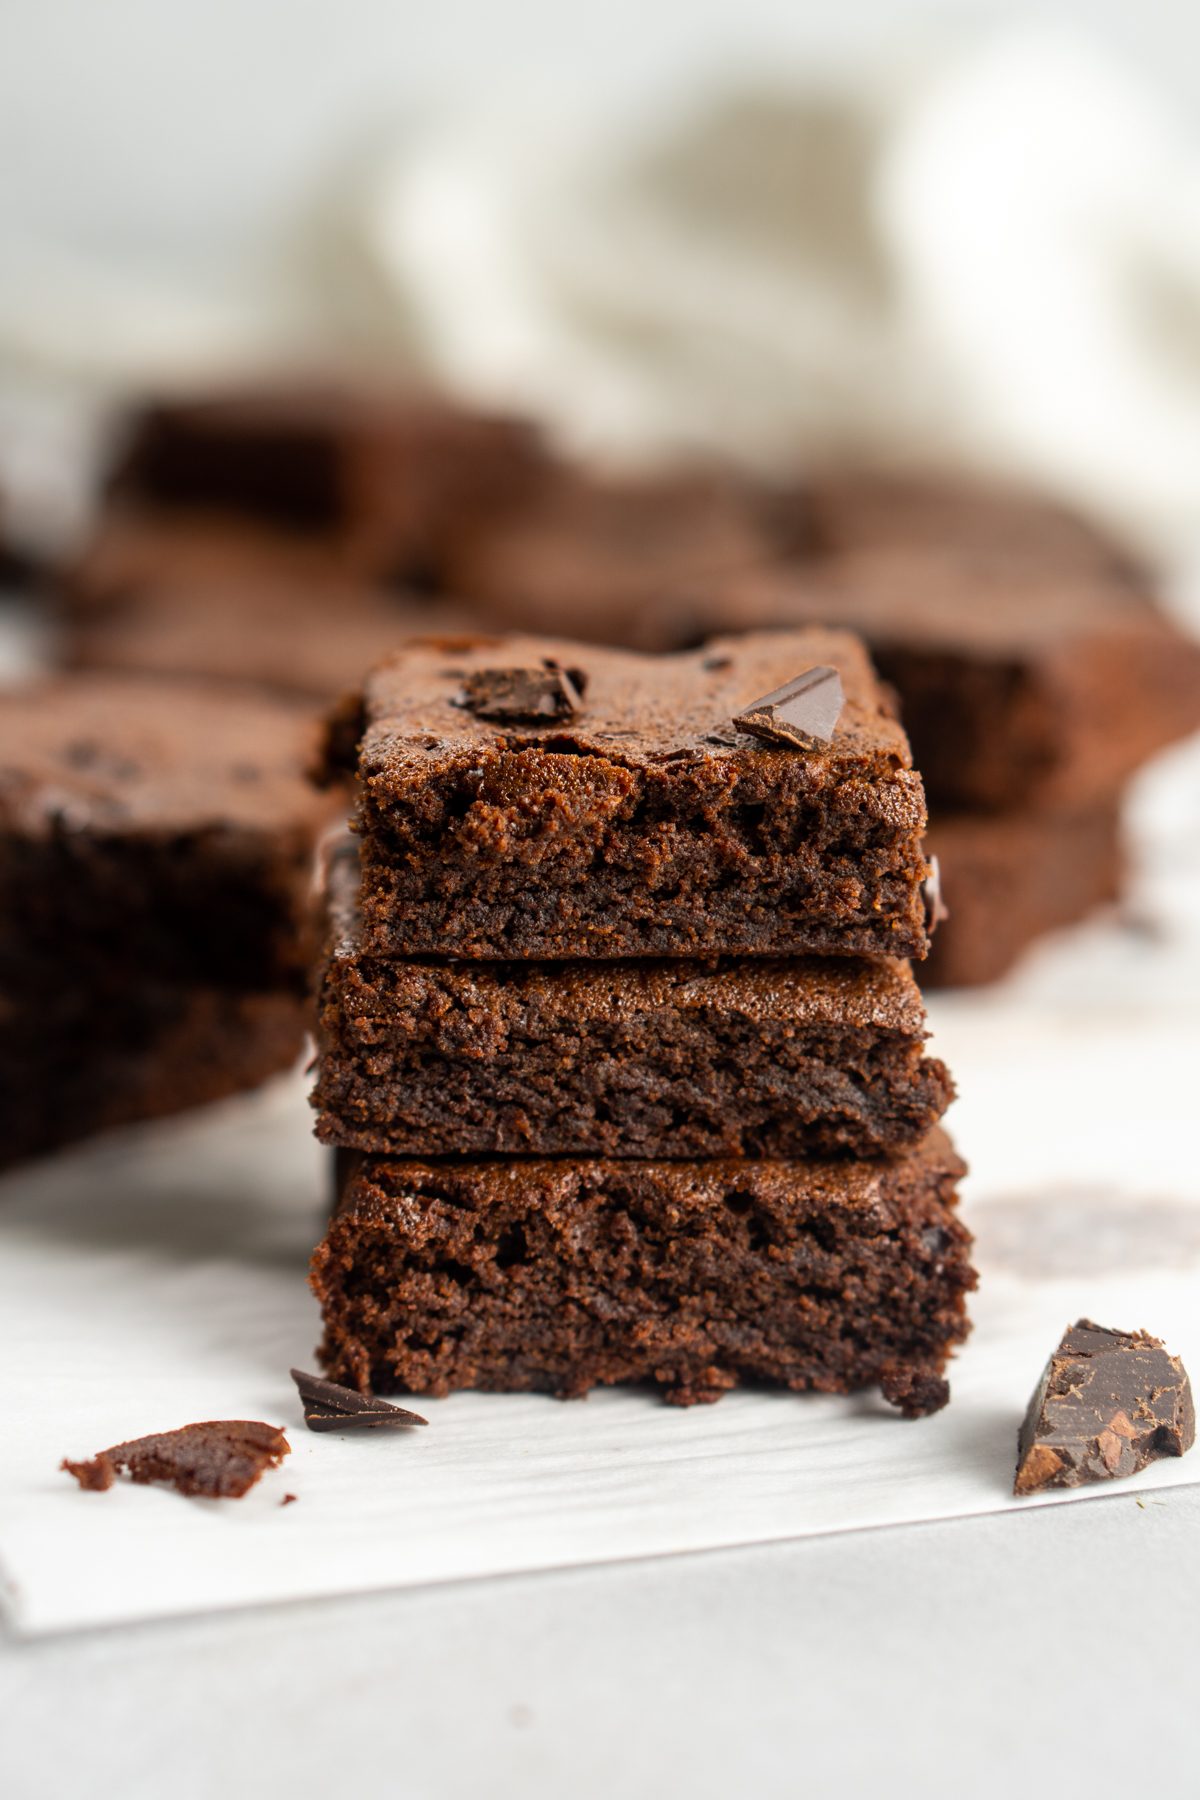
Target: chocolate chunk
pixel 1109 1403
pixel 533 696
pixel 802 713
pixel 330 1407
pixel 936 910
pixel 219 1460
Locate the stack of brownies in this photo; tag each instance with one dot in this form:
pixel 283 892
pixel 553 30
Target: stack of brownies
pixel 617 1039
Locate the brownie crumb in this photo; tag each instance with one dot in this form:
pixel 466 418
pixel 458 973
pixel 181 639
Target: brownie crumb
pixel 914 1393
pixel 288 1499
pixel 1108 1404
pixel 218 1460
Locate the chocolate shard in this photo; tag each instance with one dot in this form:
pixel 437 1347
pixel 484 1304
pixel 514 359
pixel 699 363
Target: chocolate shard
pixel 318 1418
pixel 218 1460
pixel 329 1407
pixel 803 713
pixel 936 910
pixel 1108 1404
pixel 547 695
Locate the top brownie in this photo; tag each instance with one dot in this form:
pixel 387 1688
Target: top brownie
pixel 530 797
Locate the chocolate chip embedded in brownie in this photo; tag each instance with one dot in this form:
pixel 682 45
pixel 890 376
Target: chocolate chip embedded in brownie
pixel 646 823
pixel 1018 688
pixel 749 1057
pixel 1008 878
pixel 156 850
pixel 565 1275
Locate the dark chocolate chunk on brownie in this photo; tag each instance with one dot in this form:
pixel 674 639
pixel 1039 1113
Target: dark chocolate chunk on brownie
pixel 219 1460
pixel 746 1057
pixel 647 824
pixel 1108 1404
pixel 561 1276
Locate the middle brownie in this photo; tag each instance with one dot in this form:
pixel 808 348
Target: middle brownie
pixel 736 1057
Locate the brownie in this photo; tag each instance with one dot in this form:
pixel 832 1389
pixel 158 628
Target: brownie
pixel 983 524
pixel 1007 878
pixel 156 855
pixel 218 1460
pixel 634 819
pixel 135 551
pixel 1018 689
pixel 560 1276
pixel 746 1057
pixel 386 474
pixel 607 559
pixel 312 638
pixel 74 1065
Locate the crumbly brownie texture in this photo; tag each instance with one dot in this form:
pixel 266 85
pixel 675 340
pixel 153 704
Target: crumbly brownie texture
pixel 618 561
pixel 645 825
pixel 562 1276
pixel 310 639
pixel 73 1065
pixel 1018 688
pixel 754 1057
pixel 1009 878
pixel 154 833
pixel 386 475
pixel 219 1460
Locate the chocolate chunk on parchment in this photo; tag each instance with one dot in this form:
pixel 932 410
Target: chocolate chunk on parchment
pixel 219 1460
pixel 1109 1403
pixel 330 1407
pixel 532 696
pixel 803 713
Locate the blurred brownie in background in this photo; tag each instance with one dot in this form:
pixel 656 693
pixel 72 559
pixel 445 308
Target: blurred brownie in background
pixel 156 852
pixel 625 561
pixel 309 637
pixel 1009 878
pixel 1018 688
pixel 384 475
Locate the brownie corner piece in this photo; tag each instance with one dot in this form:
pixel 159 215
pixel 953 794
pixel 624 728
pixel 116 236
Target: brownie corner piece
pixel 626 814
pixel 559 1276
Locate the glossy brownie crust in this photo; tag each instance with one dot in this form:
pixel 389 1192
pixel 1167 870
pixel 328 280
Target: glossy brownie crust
pixel 645 825
pixel 563 1276
pixel 750 1057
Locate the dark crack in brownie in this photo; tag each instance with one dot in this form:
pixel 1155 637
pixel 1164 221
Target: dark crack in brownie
pixel 645 823
pixel 156 852
pixel 697 1276
pixel 749 1057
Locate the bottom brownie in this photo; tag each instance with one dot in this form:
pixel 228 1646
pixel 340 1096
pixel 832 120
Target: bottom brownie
pixel 66 1074
pixel 1008 878
pixel 559 1276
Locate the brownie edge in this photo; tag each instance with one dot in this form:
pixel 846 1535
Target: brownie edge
pixel 560 1276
